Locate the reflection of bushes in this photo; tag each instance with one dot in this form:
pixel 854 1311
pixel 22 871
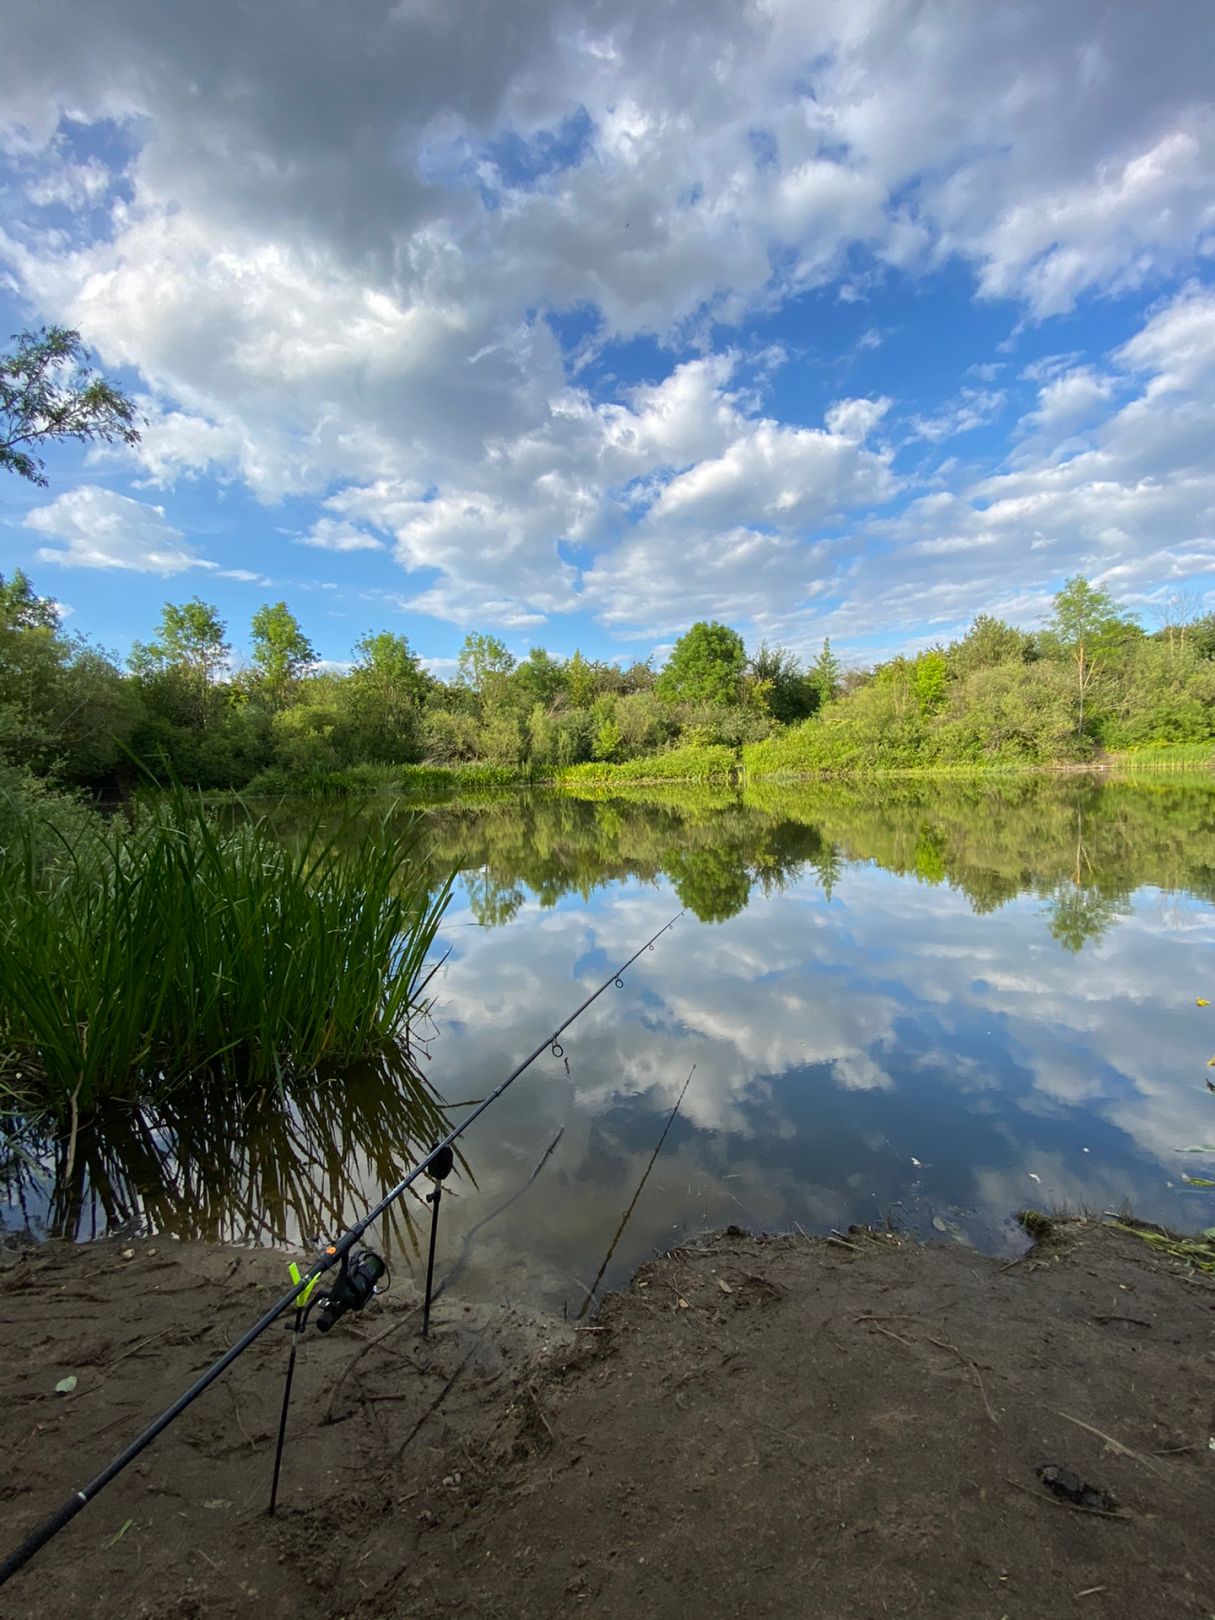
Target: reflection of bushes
pixel 292 1161
pixel 713 883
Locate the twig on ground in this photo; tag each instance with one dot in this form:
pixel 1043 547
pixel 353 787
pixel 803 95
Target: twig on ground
pixel 874 1323
pixel 354 1361
pixel 130 1351
pixel 1116 1445
pixel 944 1344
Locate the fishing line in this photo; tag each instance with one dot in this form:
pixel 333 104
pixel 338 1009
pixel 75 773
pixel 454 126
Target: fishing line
pixel 336 1254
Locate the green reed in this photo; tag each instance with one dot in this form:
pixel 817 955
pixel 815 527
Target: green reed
pixel 142 953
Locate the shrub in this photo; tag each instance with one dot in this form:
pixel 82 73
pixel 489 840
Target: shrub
pixel 690 764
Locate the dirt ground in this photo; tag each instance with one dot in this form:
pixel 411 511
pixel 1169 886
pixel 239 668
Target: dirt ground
pixel 761 1427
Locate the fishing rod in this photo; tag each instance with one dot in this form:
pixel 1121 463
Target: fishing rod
pixel 351 1290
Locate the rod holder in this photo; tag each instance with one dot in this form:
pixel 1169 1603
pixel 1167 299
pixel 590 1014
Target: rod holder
pixel 439 1168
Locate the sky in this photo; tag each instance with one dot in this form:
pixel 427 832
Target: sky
pixel 578 322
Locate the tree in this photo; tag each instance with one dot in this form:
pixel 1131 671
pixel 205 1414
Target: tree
pixel 191 649
pixel 483 662
pixel 706 665
pixel 49 391
pixel 21 608
pixel 282 652
pixel 580 681
pixel 1086 621
pixel 988 642
pixel 776 675
pixel 826 673
pixel 63 705
pixel 380 701
pixel 538 679
pixel 929 675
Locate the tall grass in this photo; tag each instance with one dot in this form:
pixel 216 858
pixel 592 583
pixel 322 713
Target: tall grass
pixel 695 762
pixel 139 954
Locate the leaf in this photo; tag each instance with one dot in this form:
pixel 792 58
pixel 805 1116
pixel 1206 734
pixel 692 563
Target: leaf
pixel 65 1386
pixel 683 1304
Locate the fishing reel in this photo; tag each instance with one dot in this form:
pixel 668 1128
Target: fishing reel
pixel 356 1283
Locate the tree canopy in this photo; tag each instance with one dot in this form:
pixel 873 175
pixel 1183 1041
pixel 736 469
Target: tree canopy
pixel 49 390
pixel 706 665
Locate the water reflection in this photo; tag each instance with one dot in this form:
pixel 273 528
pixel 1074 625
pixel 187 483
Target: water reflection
pixel 937 1002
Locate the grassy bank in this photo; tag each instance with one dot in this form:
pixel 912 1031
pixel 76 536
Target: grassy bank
pixel 405 781
pixel 791 756
pixel 134 955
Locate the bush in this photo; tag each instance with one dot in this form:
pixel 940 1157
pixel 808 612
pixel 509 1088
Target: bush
pixel 691 764
pixel 412 781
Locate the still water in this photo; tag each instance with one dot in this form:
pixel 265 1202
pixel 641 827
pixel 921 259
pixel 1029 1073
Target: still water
pixel 928 1003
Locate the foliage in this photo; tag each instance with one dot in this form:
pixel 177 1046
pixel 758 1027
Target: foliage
pixel 410 781
pixel 989 641
pixel 689 764
pixel 779 683
pixel 997 697
pixel 281 652
pixel 483 661
pixel 172 946
pixel 64 707
pixel 49 391
pixel 825 674
pixel 706 665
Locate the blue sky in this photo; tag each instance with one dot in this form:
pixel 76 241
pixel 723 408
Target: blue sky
pixel 576 326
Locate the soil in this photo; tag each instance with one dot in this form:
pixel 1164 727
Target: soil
pixel 775 1427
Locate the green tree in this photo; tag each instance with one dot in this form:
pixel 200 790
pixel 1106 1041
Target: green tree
pixel 63 705
pixel 706 665
pixel 580 681
pixel 929 675
pixel 190 652
pixel 21 608
pixel 379 703
pixel 282 653
pixel 49 391
pixel 988 642
pixel 539 678
pixel 826 673
pixel 776 676
pixel 483 663
pixel 1087 623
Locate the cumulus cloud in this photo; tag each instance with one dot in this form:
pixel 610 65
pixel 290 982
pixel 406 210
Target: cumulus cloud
pixel 337 255
pixel 98 528
pixel 328 534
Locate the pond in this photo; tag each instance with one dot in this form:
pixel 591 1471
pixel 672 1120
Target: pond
pixel 927 1002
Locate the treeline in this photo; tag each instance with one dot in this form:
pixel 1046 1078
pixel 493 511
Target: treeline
pixel 1090 679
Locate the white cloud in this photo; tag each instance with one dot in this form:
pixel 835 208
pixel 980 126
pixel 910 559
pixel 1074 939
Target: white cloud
pixel 1068 402
pixel 328 534
pixel 973 408
pixel 330 252
pixel 101 529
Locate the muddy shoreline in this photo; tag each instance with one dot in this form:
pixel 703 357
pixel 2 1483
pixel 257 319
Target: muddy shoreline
pixel 775 1426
